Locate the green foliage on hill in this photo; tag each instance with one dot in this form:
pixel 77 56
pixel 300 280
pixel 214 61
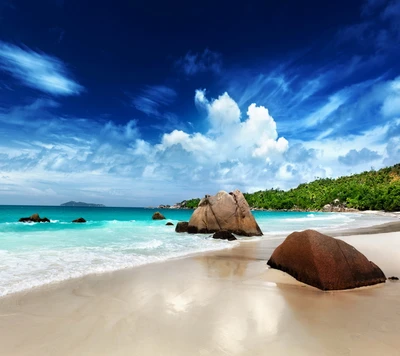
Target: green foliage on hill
pixel 192 203
pixel 373 190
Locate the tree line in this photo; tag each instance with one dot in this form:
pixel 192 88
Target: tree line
pixel 370 190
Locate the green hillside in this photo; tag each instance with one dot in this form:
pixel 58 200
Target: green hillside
pixel 373 190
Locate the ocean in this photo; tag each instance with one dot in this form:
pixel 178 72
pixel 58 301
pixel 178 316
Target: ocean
pixel 34 254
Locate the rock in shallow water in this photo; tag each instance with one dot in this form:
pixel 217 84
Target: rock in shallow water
pixel 182 226
pixel 169 223
pixel 224 235
pixel 324 262
pixel 224 212
pixel 79 220
pixel 33 218
pixel 158 216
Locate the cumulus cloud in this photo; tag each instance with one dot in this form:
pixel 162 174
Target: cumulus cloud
pixel 193 63
pixel 38 70
pixel 354 157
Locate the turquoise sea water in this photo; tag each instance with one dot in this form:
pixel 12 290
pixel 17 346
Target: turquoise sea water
pixel 115 238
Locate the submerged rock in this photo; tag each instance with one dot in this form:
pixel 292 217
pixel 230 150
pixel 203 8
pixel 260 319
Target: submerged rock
pixel 169 223
pixel 79 220
pixel 224 235
pixel 324 262
pixel 33 218
pixel 393 278
pixel 182 226
pixel 224 212
pixel 158 216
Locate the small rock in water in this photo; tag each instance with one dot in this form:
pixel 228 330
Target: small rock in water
pixel 79 220
pixel 34 218
pixel 224 235
pixel 169 223
pixel 158 216
pixel 393 278
pixel 182 226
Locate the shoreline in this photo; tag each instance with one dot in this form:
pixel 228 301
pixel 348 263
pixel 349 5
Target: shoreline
pixel 393 226
pixel 214 303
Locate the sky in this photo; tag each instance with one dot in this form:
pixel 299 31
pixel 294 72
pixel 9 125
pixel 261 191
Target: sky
pixel 131 103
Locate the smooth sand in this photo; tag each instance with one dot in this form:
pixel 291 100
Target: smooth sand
pixel 221 303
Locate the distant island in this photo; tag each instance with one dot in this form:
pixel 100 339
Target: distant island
pixel 79 203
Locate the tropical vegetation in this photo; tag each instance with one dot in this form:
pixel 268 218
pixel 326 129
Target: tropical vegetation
pixel 370 190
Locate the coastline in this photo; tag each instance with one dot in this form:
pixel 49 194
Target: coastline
pixel 220 302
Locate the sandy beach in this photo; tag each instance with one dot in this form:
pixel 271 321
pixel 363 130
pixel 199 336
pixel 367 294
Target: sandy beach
pixel 221 303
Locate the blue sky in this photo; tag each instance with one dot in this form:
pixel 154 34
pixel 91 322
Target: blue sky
pixel 136 105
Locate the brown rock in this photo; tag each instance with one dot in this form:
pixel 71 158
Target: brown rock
pixel 79 220
pixel 224 212
pixel 34 218
pixel 158 216
pixel 169 223
pixel 224 235
pixel 324 262
pixel 182 226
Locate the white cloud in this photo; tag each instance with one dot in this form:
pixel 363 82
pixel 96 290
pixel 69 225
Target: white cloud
pixel 255 136
pixel 223 113
pixel 37 70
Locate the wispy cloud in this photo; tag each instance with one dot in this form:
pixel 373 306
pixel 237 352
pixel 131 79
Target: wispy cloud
pixel 154 101
pixel 153 98
pixel 38 70
pixel 194 63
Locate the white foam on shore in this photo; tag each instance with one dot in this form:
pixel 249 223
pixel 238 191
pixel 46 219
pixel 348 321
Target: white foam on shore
pixel 32 268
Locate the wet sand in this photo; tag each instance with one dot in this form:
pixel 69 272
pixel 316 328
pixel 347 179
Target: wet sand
pixel 222 303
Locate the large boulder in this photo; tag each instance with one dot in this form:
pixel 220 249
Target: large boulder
pixel 324 262
pixel 158 216
pixel 33 218
pixel 182 226
pixel 224 211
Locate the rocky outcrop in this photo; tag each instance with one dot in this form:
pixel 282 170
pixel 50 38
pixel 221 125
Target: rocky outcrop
pixel 224 235
pixel 224 211
pixel 169 223
pixel 158 216
pixel 182 226
pixel 79 220
pixel 337 207
pixel 324 262
pixel 34 218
